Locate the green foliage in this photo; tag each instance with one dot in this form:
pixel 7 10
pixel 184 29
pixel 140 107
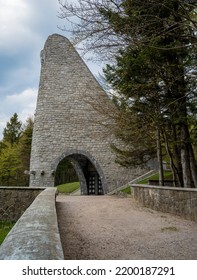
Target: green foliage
pixel 65 172
pixel 9 165
pixel 5 227
pixel 137 133
pixel 68 188
pixel 13 129
pixel 153 79
pixel 169 229
pixel 15 151
pixel 127 190
pixel 25 149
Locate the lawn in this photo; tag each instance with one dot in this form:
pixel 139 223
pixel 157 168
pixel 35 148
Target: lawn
pixel 127 190
pixel 167 176
pixel 68 188
pixel 5 227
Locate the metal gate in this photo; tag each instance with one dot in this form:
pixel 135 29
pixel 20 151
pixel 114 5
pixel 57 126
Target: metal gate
pixel 94 184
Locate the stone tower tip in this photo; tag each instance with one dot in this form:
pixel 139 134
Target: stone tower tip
pixel 57 36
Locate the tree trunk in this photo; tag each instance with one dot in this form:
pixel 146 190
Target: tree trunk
pixel 193 166
pixel 185 157
pixel 177 157
pixel 172 165
pixel 159 158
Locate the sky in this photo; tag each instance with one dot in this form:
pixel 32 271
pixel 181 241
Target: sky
pixel 24 28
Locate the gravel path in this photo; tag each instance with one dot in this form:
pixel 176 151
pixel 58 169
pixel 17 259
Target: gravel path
pixel 112 227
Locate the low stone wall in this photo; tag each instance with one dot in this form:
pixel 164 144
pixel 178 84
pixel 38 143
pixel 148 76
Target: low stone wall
pixel 35 236
pixel 15 200
pixel 179 201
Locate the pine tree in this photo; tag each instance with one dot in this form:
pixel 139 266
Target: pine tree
pixel 15 152
pixel 10 166
pixel 13 129
pixel 164 43
pixel 24 145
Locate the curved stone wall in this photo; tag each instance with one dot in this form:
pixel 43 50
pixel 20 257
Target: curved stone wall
pixel 35 236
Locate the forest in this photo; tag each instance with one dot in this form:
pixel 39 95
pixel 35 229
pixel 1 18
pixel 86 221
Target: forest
pixel 15 149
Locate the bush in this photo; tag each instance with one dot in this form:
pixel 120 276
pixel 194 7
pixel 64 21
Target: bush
pixel 5 227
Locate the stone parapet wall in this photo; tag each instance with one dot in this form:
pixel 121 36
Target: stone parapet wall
pixel 35 236
pixel 15 200
pixel 178 201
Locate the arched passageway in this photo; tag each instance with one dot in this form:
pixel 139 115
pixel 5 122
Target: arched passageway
pixel 89 173
pixel 65 173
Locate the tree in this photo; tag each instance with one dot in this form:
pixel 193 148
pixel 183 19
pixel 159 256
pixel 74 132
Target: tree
pixel 9 165
pixel 15 152
pixel 166 33
pixel 65 173
pixel 90 29
pixel 13 129
pixel 25 149
pixel 139 118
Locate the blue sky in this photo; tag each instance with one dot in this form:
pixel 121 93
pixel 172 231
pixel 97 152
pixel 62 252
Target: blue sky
pixel 24 28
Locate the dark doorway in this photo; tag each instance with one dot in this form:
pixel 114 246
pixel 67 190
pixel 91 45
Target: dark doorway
pixel 77 167
pixel 65 173
pixel 94 185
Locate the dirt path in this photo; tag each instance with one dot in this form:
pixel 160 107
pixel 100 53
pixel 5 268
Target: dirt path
pixel 111 227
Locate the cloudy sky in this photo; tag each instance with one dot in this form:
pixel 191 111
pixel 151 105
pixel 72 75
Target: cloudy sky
pixel 24 28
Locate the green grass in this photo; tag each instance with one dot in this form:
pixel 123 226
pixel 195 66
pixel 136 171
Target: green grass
pixel 169 229
pixel 167 176
pixel 68 188
pixel 5 227
pixel 127 190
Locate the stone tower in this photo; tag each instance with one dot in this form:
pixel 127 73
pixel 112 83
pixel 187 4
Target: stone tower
pixel 68 125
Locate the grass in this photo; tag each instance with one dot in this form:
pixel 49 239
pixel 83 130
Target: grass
pixel 5 227
pixel 170 229
pixel 127 190
pixel 167 176
pixel 68 188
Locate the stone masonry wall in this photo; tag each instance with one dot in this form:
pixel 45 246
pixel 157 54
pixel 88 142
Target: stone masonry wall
pixel 15 200
pixel 68 118
pixel 35 236
pixel 179 201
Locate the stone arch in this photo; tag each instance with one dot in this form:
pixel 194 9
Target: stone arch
pixel 78 158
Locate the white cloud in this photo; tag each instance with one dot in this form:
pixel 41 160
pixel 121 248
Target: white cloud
pixel 24 23
pixel 23 104
pixel 14 25
pixel 3 121
pixel 24 27
pixel 24 101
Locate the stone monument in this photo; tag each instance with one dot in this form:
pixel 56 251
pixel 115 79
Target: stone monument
pixel 69 123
